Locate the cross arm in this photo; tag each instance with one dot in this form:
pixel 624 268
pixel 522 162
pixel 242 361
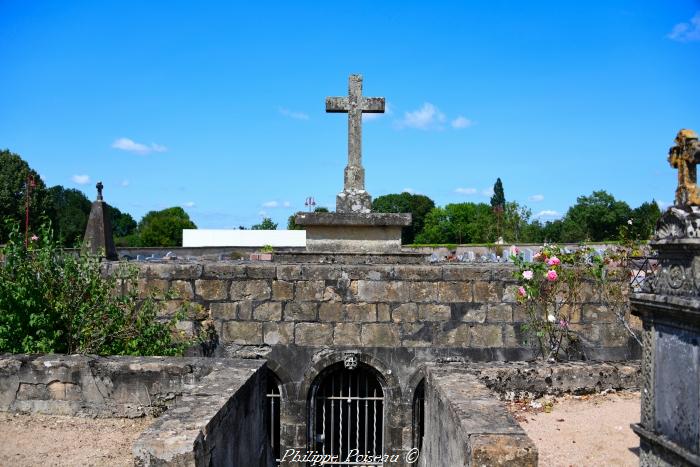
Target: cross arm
pixel 373 105
pixel 337 104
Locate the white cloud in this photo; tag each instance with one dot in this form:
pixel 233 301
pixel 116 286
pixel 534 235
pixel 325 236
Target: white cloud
pixel 547 213
pixel 536 198
pixel 286 204
pixel 461 122
pixel 81 179
pixel 487 191
pixel 270 204
pixel 126 144
pixel 189 204
pixel 425 118
pixel 293 114
pixel 686 32
pixel 373 116
pixel 465 191
pixel 125 183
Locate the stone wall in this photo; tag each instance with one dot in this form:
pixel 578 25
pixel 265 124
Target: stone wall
pixel 395 317
pixel 213 408
pixel 466 425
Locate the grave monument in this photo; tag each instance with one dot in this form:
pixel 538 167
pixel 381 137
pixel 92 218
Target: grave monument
pixel 98 233
pixel 353 228
pixel 669 306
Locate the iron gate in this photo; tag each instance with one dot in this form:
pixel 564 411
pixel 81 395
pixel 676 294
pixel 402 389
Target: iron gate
pixel 347 416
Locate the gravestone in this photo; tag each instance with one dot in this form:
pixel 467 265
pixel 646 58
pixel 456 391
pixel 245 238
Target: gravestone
pixel 98 233
pixel 353 228
pixel 669 306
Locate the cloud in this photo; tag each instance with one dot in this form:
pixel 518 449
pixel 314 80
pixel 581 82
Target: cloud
pixel 125 183
pixel 487 191
pixel 374 116
pixel 536 198
pixel 426 118
pixel 686 32
pixel 81 179
pixel 126 144
pixel 465 191
pixel 189 204
pixel 276 204
pixel 547 213
pixel 293 114
pixel 461 122
pixel 286 204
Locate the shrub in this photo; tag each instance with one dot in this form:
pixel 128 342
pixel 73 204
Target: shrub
pixel 55 302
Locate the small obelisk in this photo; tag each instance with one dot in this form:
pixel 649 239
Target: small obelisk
pixel 98 233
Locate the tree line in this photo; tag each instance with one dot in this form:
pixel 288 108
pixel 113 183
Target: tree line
pixel 68 209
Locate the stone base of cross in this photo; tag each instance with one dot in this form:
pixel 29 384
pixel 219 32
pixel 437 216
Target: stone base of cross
pixel 353 201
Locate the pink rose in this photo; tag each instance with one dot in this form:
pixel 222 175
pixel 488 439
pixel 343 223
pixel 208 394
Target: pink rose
pixel 527 275
pixel 552 275
pixel 34 238
pixel 553 261
pixel 522 292
pixel 516 250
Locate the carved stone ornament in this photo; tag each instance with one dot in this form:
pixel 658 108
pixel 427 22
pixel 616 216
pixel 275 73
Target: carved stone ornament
pixel 684 156
pixel 350 360
pixel 679 222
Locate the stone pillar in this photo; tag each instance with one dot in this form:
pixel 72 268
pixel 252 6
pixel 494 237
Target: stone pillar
pixel 98 233
pixel 669 306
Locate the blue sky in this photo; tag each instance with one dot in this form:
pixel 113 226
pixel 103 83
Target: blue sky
pixel 219 107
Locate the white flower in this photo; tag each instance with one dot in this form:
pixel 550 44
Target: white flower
pixel 629 221
pixel 551 318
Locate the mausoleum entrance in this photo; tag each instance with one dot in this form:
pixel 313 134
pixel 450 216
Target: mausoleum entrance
pixel 346 413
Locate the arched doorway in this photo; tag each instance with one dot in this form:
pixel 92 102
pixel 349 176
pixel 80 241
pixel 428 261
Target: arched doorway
pixel 346 414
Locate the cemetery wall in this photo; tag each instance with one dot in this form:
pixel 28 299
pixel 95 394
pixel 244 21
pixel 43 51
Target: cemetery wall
pixel 214 408
pixel 302 318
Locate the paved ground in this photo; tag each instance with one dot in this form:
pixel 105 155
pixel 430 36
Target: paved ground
pixel 46 440
pixel 583 430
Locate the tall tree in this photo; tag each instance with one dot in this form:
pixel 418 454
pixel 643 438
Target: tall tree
pixel 164 228
pixel 498 198
pixel 459 223
pixel 644 220
pixel 70 210
pixel 13 185
pixel 597 217
pixel 418 205
pixel 122 222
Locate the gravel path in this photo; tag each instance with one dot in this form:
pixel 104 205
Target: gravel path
pixel 48 440
pixel 583 430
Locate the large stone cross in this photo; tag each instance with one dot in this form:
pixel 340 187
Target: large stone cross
pixel 354 198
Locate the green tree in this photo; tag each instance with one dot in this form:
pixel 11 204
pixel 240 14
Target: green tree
pixel 13 185
pixel 69 212
pixel 459 223
pixel 644 220
pixel 418 205
pixel 515 221
pixel 266 224
pixel 498 198
pixel 164 228
pixel 122 223
pixel 595 218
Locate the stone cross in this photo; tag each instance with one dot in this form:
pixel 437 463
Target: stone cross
pixel 354 198
pixel 684 156
pixel 99 187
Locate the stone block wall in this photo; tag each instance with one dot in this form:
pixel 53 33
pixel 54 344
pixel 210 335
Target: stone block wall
pixel 395 317
pixel 468 309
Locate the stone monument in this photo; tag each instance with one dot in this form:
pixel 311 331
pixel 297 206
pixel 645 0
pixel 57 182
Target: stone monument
pixel 353 228
pixel 98 233
pixel 669 306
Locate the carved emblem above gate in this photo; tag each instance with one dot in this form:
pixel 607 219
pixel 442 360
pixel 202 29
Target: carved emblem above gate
pixel 350 360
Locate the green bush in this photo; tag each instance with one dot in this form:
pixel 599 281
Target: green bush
pixel 55 302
